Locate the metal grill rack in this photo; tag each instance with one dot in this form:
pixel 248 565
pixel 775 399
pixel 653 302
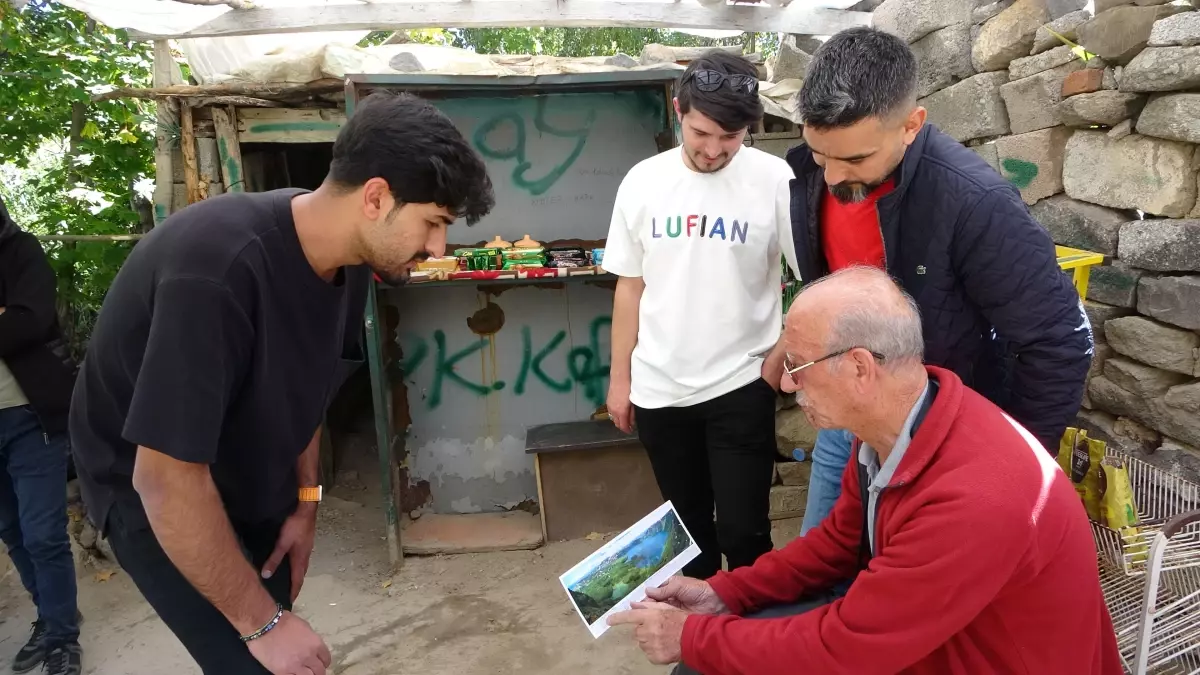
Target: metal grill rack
pixel 1151 578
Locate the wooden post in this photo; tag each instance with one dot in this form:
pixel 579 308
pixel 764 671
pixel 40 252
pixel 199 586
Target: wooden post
pixel 164 190
pixel 229 148
pixel 187 139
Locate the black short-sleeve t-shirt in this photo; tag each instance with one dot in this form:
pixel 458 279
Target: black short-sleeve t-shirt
pixel 217 344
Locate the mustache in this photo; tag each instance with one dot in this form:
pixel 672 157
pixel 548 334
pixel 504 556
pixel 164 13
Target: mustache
pixel 848 192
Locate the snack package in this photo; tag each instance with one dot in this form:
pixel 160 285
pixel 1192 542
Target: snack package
pixel 1119 510
pixel 1066 446
pixel 473 259
pixel 1086 455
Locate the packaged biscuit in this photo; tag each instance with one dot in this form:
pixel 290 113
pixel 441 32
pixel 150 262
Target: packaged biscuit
pixel 1118 507
pixel 1084 472
pixel 1066 445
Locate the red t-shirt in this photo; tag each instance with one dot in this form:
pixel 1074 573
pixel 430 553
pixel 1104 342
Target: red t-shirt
pixel 850 233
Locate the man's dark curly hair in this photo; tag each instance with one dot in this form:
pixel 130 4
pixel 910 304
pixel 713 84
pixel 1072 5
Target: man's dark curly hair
pixel 412 145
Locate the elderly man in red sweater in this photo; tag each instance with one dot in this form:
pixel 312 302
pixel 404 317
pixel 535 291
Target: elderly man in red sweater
pixel 972 551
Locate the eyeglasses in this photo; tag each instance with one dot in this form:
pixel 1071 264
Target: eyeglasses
pixel 791 370
pixel 711 80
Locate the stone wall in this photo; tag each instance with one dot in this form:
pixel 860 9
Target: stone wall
pixel 1106 153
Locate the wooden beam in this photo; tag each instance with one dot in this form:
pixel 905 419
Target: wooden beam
pixel 167 119
pixel 187 141
pixel 229 148
pixel 507 14
pixel 289 125
pixel 253 89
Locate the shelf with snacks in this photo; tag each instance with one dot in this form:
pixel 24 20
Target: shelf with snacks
pixel 503 263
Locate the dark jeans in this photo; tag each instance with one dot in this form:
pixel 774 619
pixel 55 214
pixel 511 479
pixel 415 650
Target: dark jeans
pixel 205 632
pixel 33 519
pixel 777 612
pixel 720 453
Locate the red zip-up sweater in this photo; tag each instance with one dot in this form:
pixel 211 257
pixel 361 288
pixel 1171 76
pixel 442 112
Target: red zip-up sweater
pixel 984 563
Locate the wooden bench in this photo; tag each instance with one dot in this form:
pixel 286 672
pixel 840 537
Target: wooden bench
pixel 591 477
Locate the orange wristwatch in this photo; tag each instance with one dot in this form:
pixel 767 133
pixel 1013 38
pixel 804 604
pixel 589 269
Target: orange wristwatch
pixel 311 494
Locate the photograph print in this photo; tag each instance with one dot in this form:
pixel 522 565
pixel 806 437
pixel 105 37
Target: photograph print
pixel 617 574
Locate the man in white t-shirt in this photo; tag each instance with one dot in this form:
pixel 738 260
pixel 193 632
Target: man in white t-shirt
pixel 697 237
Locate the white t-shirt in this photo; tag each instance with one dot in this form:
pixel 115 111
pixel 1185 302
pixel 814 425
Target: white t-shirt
pixel 708 247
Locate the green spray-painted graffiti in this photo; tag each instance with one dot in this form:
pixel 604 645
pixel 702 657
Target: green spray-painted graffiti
pixel 586 365
pixel 1019 172
pixel 518 151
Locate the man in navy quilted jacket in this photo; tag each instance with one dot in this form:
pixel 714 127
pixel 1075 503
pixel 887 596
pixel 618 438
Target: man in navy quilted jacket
pixel 875 185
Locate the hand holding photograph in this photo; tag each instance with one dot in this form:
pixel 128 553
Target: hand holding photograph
pixel 617 574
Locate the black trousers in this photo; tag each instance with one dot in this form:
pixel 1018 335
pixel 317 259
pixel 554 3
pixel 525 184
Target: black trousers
pixel 205 632
pixel 717 453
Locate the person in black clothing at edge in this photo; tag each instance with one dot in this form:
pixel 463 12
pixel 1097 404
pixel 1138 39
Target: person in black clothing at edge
pixel 36 376
pixel 224 337
pixel 875 185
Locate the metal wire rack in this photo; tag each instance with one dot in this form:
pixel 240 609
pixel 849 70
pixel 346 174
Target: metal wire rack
pixel 1151 577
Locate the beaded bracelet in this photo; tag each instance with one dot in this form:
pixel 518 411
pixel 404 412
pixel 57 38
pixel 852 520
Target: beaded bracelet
pixel 267 628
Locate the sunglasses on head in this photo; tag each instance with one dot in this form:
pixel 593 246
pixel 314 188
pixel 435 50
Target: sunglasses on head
pixel 711 80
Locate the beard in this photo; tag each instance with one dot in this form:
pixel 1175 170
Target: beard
pixel 853 193
pixel 397 275
pixel 698 162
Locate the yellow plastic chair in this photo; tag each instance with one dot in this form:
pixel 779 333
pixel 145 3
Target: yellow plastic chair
pixel 1080 262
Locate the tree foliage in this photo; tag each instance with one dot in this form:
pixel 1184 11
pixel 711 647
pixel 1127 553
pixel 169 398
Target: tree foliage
pixel 70 165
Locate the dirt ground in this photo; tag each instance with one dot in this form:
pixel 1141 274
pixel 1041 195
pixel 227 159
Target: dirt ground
pixel 493 613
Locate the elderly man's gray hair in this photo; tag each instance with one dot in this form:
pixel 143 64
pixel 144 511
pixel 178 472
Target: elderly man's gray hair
pixel 883 321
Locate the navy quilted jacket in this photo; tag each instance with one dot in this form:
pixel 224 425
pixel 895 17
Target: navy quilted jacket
pixel 959 239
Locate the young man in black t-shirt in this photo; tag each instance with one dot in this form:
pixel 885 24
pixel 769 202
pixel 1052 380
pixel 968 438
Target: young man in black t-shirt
pixel 195 420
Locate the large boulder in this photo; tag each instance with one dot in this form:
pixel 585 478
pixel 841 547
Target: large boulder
pixel 1120 33
pixel 1107 108
pixel 1163 69
pixel 1080 224
pixel 1032 65
pixel 1175 300
pixel 1008 35
pixel 788 62
pixel 970 109
pixel 912 20
pixel 1115 284
pixel 1140 378
pixel 1154 344
pixel 1033 162
pixel 1179 30
pixel 1175 117
pixel 1161 245
pixel 943 58
pixel 1065 26
pixel 1031 101
pixel 1135 172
